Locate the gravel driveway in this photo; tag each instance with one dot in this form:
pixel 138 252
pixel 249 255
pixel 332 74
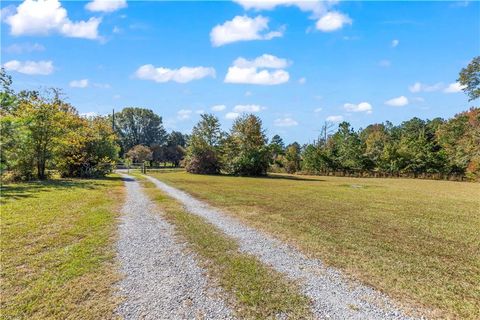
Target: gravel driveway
pixel 162 280
pixel 333 296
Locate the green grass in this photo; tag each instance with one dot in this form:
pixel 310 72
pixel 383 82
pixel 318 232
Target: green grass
pixel 57 249
pixel 257 291
pixel 416 240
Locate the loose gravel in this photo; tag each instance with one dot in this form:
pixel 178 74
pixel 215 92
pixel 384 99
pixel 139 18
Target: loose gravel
pixel 162 279
pixel 333 295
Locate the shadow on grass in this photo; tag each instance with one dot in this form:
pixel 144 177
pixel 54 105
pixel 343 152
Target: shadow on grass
pixel 278 176
pixel 291 177
pixel 31 189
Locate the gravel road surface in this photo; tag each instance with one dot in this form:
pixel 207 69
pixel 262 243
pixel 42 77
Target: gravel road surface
pixel 161 278
pixel 333 295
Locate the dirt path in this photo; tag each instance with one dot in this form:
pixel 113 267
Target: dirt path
pixel 333 296
pixel 162 280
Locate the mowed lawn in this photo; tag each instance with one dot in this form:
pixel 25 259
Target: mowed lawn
pixel 416 240
pixel 57 246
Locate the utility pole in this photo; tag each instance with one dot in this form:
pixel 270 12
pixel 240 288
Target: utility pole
pixel 113 120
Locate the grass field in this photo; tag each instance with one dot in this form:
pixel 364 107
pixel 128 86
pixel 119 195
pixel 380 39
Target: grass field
pixel 256 291
pixel 57 249
pixel 416 240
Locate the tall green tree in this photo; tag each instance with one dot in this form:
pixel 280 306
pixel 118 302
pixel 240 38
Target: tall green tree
pixel 470 78
pixel 246 150
pixel 136 126
pixel 203 153
pixel 292 158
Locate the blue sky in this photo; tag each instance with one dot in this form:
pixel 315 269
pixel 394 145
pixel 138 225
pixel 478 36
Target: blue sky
pixel 303 62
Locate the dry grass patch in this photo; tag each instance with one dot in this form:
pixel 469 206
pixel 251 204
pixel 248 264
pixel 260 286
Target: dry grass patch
pixel 257 292
pixel 57 244
pixel 416 240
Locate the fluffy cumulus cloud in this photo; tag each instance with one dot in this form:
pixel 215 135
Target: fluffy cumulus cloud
pixel 285 122
pixel 43 17
pixel 218 107
pixel 317 7
pixel 232 115
pixel 181 75
pixel 454 88
pixel 83 83
pixel 184 114
pixel 395 43
pixel 256 71
pixel 397 102
pixel 106 5
pixel 327 20
pixel 361 107
pixel 19 48
pixel 334 118
pixel 332 21
pixel 421 87
pixel 264 61
pixel 248 108
pixel 242 28
pixel 30 67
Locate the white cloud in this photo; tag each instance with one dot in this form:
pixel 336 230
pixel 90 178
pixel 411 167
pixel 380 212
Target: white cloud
pixel 248 93
pixel 106 5
pixel 361 107
pixel 395 43
pixel 102 85
pixel 219 107
pixel 285 122
pixel 317 110
pixel 30 67
pixel 248 108
pixel 397 102
pixel 19 48
pixel 420 87
pixel 316 7
pixel 79 83
pixel 334 118
pixel 242 28
pixel 264 61
pixel 326 20
pixel 251 76
pixel 384 63
pixel 247 71
pixel 302 80
pixel 184 114
pixel 454 88
pixel 332 21
pixel 45 16
pixel 232 115
pixel 181 75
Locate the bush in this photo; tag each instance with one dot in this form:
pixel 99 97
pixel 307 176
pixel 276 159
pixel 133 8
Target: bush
pixel 203 162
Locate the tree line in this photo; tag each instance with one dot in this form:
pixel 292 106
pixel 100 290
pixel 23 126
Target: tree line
pixel 416 148
pixel 42 134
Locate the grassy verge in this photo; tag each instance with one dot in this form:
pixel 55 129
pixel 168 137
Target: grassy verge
pixel 416 240
pixel 257 291
pixel 57 249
